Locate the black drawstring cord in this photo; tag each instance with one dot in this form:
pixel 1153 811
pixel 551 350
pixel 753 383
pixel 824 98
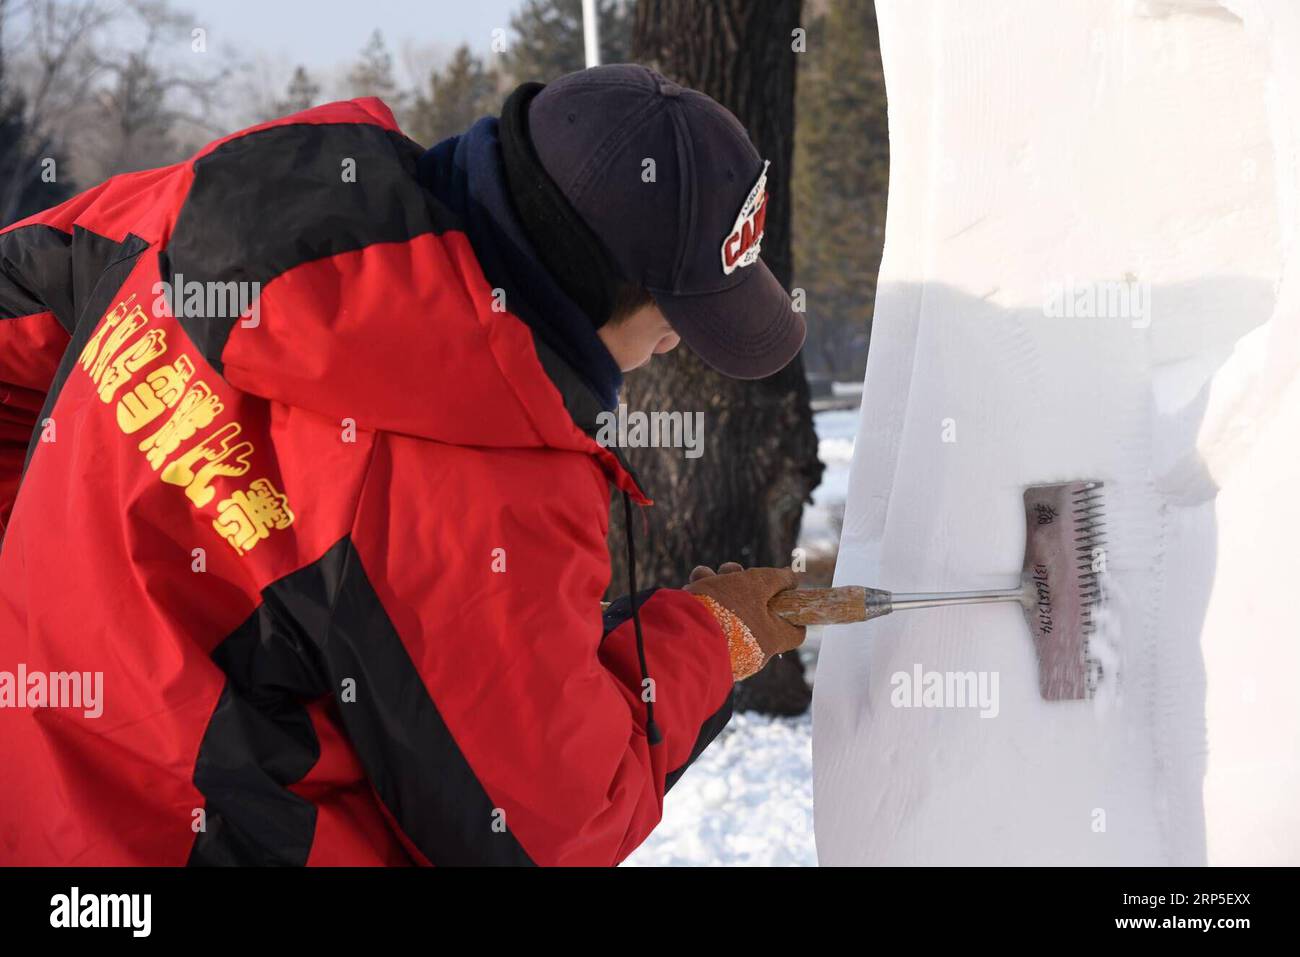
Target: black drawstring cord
pixel 651 729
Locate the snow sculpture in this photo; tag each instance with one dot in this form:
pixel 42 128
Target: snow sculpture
pixel 1092 270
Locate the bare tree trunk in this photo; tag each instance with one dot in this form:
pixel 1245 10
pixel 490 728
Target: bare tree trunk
pixel 743 498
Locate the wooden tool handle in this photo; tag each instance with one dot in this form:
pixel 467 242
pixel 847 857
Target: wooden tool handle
pixel 822 606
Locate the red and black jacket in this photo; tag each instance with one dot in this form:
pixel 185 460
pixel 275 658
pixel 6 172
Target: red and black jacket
pixel 339 562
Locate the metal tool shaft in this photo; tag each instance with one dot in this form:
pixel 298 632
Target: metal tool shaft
pixel 850 603
pixel 938 599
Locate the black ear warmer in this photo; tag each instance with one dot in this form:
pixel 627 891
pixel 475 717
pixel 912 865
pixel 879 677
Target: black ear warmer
pixel 571 252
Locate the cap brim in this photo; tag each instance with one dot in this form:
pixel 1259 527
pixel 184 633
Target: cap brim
pixel 747 332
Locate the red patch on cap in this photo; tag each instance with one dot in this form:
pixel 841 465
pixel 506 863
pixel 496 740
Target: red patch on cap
pixel 741 247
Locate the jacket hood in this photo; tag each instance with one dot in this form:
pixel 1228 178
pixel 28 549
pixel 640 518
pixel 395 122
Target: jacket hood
pixel 408 338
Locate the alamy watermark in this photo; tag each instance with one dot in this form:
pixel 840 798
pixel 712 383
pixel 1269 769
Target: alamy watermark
pixel 651 430
pixel 1127 298
pixel 82 690
pixel 76 909
pixel 209 300
pixel 946 689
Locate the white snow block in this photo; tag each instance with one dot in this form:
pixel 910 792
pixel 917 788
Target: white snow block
pixel 1091 271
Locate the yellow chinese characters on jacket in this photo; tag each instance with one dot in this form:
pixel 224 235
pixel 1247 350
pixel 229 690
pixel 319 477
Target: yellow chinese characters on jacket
pixel 158 399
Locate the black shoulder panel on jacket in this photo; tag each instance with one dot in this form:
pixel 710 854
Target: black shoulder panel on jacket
pixel 97 276
pixel 43 268
pixel 274 199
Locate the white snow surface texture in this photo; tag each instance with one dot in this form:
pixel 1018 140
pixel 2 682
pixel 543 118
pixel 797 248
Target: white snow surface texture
pixel 1037 147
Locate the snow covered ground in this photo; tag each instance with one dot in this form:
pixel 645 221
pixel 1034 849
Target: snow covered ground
pixel 748 799
pixel 836 429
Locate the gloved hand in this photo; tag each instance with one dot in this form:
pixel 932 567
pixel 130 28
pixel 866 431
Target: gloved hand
pixel 738 598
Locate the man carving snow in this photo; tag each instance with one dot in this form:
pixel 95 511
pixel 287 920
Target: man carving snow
pixel 339 559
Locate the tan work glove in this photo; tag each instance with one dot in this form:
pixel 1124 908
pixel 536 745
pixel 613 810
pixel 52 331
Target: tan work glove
pixel 738 599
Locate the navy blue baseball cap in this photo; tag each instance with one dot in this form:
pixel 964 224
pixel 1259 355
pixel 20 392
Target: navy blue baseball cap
pixel 671 185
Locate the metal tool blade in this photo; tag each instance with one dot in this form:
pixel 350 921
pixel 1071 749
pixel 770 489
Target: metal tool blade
pixel 1063 558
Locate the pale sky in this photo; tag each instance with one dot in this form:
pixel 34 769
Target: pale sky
pixel 323 33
